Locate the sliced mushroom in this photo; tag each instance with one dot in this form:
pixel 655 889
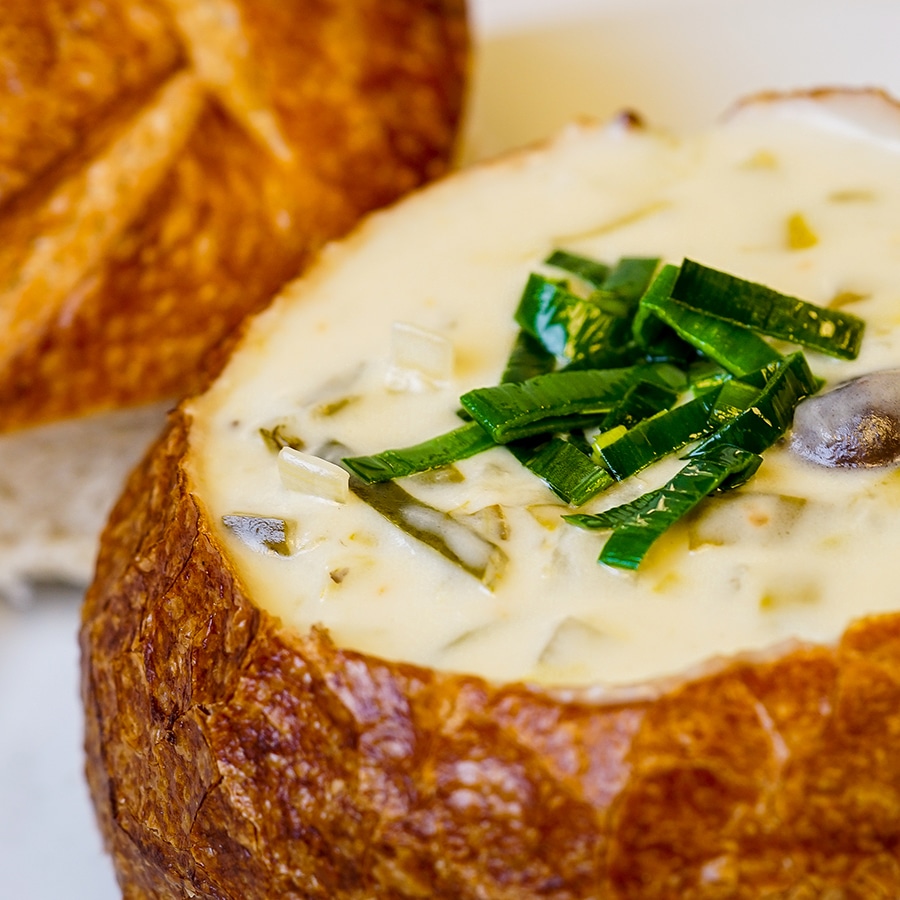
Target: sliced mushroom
pixel 856 425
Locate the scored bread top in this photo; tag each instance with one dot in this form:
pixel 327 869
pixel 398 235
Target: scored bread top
pixel 168 164
pixel 799 552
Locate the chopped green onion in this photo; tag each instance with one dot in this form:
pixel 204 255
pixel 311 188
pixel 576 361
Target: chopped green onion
pixel 651 360
pixel 637 525
pixel 630 278
pixel 734 347
pixel 589 270
pixel 451 538
pixel 733 397
pixel 568 472
pixel 461 443
pixel 737 349
pixel 606 437
pixel 279 436
pixel 647 328
pixel 516 410
pixel 767 311
pixel 658 436
pixel 705 374
pixel 626 281
pixel 757 427
pixel 640 401
pixel 527 358
pixel 572 328
pixel 609 303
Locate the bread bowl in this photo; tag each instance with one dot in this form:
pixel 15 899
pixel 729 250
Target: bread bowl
pixel 166 166
pixel 331 709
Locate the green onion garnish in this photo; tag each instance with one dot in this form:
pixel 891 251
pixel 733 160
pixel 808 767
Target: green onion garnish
pixel 451 538
pixel 461 443
pixel 639 402
pixel 626 280
pixel 575 329
pixel 657 437
pixel 589 270
pixel 757 427
pixel 527 358
pixel 638 524
pixel 767 311
pixel 568 471
pixel 630 277
pixel 737 349
pixel 633 364
pixel 511 411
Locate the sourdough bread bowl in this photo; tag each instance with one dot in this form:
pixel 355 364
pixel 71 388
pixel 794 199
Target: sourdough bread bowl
pixel 287 694
pixel 167 165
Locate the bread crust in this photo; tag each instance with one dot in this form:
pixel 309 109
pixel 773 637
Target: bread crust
pixel 228 757
pixel 269 128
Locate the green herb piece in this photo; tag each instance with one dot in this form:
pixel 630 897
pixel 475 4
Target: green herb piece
pixel 265 534
pixel 630 278
pixel 625 281
pixel 279 437
pixel 733 397
pixel 333 407
pixel 663 374
pixel 637 525
pixel 658 436
pixel 736 348
pixel 579 440
pixel 609 303
pixel 604 438
pixel 576 330
pixel 528 358
pixel 640 401
pixel 767 311
pixel 758 426
pixel 517 410
pixel 570 473
pixel 461 443
pixel 646 327
pixel 589 270
pixel 455 541
pixel 617 516
pixel 706 374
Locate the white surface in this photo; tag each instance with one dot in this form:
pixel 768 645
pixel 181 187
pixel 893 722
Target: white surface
pixel 681 63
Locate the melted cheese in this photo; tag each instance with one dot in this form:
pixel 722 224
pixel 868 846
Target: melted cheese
pixel 799 552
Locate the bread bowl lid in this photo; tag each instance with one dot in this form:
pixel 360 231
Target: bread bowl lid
pixel 797 553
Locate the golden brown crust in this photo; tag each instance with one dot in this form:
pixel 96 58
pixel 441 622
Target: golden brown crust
pixel 68 66
pixel 229 758
pixel 279 135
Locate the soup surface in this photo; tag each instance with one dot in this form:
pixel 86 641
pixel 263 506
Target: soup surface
pixel 801 195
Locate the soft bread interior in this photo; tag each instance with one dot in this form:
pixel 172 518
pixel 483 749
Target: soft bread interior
pixel 58 483
pixel 798 553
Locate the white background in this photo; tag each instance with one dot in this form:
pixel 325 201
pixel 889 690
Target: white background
pixel 539 63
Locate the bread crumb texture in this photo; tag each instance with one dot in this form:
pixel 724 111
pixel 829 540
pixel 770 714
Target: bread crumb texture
pixel 167 165
pixel 230 758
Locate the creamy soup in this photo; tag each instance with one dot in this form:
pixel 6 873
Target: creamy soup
pixel 801 196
